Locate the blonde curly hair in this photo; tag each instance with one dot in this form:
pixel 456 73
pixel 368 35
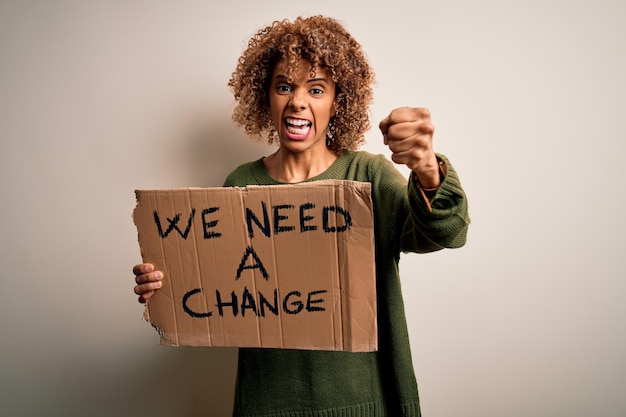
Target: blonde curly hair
pixel 322 41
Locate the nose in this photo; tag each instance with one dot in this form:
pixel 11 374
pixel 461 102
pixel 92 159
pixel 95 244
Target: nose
pixel 298 100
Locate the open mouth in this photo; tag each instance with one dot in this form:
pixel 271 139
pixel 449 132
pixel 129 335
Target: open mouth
pixel 297 128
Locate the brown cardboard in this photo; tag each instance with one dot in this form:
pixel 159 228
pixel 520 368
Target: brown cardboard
pixel 299 274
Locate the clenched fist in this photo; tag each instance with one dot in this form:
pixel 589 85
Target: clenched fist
pixel 408 132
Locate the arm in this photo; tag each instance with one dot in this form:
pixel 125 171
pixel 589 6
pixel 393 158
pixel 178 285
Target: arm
pixel 436 219
pixel 437 207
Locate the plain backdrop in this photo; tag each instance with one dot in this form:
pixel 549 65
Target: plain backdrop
pixel 99 98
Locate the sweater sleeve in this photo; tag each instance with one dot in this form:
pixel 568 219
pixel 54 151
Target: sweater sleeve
pixel 445 226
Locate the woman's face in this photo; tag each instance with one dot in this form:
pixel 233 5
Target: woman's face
pixel 301 109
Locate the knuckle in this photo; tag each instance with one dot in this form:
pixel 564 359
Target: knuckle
pixel 398 114
pixel 427 128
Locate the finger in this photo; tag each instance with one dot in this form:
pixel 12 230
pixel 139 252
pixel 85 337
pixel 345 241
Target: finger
pixel 395 117
pixel 408 114
pixel 150 277
pixel 401 131
pixel 146 288
pixel 426 128
pixel 143 298
pixel 409 128
pixel 142 269
pixel 421 113
pixel 411 158
pixel 416 142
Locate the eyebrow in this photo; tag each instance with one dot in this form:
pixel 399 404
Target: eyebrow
pixel 312 80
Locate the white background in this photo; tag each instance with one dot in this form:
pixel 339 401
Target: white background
pixel 528 98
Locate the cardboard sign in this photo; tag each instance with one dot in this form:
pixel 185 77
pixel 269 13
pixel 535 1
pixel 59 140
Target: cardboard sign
pixel 289 266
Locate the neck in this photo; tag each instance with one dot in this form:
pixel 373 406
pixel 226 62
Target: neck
pixel 289 167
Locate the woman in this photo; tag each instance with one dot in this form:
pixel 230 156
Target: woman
pixel 306 85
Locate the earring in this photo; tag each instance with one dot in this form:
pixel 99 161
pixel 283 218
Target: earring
pixel 330 133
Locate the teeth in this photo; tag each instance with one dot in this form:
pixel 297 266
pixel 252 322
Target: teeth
pixel 297 122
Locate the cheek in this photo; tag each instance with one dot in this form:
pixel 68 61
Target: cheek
pixel 275 113
pixel 327 114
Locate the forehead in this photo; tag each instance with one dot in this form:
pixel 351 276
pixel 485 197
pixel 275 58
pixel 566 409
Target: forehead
pixel 300 69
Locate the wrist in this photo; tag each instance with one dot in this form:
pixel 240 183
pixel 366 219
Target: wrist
pixel 432 181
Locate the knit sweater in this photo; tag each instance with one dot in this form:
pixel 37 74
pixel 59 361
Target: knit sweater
pixel 312 383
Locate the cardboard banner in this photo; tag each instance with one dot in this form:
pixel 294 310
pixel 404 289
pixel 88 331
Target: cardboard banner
pixel 289 266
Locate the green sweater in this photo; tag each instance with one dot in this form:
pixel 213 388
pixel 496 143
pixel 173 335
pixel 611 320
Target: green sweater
pixel 302 383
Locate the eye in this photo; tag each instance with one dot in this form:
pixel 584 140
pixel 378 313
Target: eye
pixel 283 88
pixel 316 91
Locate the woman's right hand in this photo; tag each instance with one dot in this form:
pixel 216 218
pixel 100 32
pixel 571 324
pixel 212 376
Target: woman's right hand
pixel 148 280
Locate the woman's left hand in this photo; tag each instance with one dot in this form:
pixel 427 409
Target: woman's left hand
pixel 408 132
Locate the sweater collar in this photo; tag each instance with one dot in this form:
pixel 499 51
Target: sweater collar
pixel 334 171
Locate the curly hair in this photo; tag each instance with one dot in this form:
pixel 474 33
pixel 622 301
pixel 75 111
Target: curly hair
pixel 321 41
